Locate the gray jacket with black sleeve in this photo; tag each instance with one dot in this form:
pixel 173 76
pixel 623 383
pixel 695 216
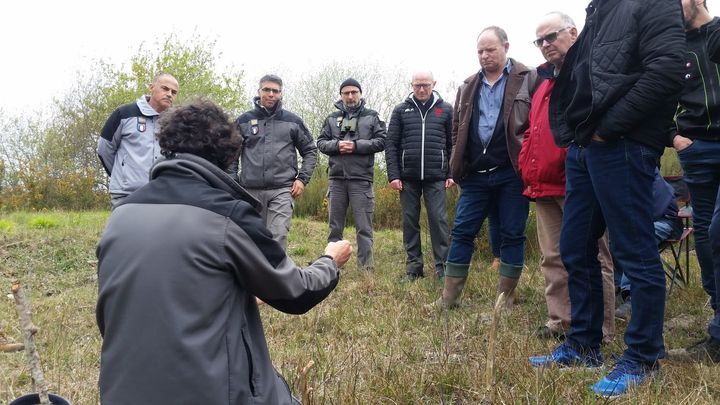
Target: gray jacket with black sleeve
pixel 180 263
pixel 268 157
pixel 128 147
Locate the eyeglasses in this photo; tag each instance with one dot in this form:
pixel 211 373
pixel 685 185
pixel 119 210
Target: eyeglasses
pixel 270 90
pixel 349 92
pixel 549 38
pixel 418 86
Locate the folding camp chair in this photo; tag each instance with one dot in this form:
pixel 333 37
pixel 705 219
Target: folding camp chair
pixel 680 246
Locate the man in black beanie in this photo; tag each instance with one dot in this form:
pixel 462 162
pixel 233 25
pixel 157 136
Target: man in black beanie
pixel 350 137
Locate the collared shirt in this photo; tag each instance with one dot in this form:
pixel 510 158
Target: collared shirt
pixel 489 103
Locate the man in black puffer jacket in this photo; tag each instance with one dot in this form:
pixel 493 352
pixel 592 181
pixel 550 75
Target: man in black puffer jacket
pixel 613 101
pixel 417 150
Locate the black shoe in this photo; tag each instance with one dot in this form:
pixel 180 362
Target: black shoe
pixel 707 350
pixel 544 332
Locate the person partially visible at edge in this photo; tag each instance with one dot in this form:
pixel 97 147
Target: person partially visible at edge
pixel 128 145
pixel 489 120
pixel 417 151
pixel 696 138
pixel 272 139
pixel 612 104
pixel 180 265
pixel 351 136
pixel 542 167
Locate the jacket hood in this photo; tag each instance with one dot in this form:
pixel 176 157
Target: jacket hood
pixel 145 108
pixel 196 166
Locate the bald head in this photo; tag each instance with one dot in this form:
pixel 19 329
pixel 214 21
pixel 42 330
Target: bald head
pixel 163 91
pixel 422 84
pixel 556 33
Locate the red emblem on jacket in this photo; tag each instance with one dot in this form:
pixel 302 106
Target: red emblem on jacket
pixel 438 112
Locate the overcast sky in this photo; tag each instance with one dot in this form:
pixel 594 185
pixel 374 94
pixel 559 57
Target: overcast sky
pixel 45 45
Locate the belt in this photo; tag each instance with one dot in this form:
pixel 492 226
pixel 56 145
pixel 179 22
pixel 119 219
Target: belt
pixel 488 170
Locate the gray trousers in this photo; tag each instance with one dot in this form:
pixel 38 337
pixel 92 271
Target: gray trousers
pixel 277 211
pixel 436 207
pixel 359 195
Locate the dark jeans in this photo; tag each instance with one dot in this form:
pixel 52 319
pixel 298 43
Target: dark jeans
pixel 436 207
pixel 494 231
pixel 609 184
pixel 701 165
pixel 479 192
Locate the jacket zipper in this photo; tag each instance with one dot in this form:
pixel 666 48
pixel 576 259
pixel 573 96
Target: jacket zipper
pixel 422 134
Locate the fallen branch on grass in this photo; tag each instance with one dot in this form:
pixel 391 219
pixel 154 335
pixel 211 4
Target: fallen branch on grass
pixel 303 383
pixel 29 331
pixel 6 346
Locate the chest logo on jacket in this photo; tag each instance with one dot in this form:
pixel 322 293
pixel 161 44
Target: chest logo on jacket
pixel 141 124
pixel 254 127
pixel 438 112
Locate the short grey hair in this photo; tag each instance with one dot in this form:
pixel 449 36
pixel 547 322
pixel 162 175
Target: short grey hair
pixel 271 78
pixel 566 19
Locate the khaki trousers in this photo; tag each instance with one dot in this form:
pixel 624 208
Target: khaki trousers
pixel 549 212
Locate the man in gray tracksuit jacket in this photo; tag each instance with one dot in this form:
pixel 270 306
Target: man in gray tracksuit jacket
pixel 350 137
pixel 180 263
pixel 268 157
pixel 127 145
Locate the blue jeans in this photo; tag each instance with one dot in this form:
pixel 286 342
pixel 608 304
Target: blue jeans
pixel 494 231
pixel 701 165
pixel 663 229
pixel 609 184
pixel 479 192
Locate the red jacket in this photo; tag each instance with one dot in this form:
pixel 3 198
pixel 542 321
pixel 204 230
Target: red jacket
pixel 541 163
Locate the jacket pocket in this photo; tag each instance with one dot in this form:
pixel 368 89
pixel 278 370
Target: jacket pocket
pixel 252 380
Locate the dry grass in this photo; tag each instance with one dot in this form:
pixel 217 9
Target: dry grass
pixel 371 341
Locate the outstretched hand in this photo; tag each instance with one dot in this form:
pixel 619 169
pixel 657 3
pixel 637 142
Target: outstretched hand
pixel 340 251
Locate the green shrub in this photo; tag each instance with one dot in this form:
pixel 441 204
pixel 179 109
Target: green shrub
pixel 6 226
pixel 44 222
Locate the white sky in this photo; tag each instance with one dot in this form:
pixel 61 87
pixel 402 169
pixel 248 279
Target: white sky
pixel 46 44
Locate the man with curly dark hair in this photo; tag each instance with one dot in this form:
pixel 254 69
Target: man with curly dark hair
pixel 180 263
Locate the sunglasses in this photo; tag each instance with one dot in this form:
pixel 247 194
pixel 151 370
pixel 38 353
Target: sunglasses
pixel 270 90
pixel 549 38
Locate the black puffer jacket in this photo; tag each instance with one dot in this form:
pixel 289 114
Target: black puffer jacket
pixel 419 145
pixel 698 115
pixel 635 66
pixel 369 138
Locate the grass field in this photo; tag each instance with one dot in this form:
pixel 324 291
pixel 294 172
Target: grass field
pixel 371 341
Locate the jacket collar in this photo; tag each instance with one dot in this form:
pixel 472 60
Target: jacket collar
pixel 264 111
pixel 145 107
pixel 196 166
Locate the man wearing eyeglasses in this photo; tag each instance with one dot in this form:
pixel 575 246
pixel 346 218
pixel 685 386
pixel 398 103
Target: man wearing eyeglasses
pixel 416 153
pixel 612 105
pixel 268 159
pixel 542 167
pixel 350 137
pixel 489 120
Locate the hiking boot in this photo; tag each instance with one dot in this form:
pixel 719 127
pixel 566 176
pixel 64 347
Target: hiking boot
pixel 507 285
pixel 546 333
pixel 566 356
pixel 626 374
pixel 410 277
pixel 707 350
pixel 624 310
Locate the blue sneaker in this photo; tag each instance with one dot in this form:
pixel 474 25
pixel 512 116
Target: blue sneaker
pixel 566 356
pixel 626 374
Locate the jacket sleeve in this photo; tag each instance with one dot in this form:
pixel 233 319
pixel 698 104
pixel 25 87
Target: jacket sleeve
pixel 109 141
pixel 232 170
pixel 325 143
pixel 305 144
pixel 392 145
pixel 662 53
pixel 449 137
pixel 261 266
pixel 374 144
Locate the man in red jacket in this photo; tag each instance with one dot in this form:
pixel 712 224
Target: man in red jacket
pixel 542 167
